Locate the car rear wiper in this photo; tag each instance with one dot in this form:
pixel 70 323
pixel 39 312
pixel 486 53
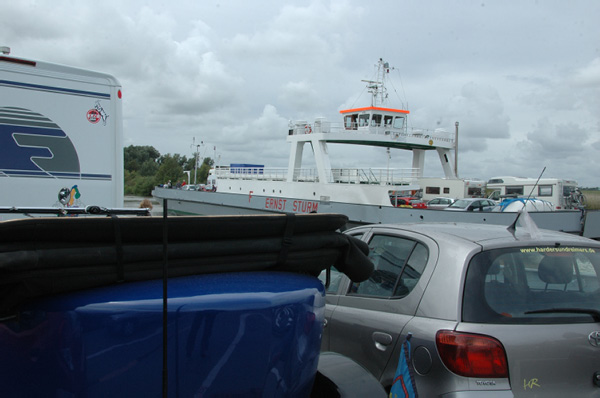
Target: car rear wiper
pixel 589 311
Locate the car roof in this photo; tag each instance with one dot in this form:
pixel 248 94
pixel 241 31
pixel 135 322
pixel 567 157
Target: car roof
pixel 472 199
pixel 488 235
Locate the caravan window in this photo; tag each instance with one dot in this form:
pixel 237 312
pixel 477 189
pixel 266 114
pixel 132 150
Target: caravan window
pixel 567 189
pixel 514 190
pixel 475 191
pixel 545 190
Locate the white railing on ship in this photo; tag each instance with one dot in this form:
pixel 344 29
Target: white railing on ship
pixel 404 133
pixel 252 173
pixel 379 176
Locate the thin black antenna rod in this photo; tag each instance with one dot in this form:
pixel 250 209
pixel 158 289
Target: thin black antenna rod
pixel 512 227
pixel 536 183
pixel 165 371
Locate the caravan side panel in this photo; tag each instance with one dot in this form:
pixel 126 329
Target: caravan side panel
pixel 60 127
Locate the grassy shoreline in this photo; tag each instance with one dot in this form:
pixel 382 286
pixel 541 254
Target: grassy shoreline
pixel 592 198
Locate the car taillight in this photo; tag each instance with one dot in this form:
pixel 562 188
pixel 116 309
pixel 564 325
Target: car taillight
pixel 472 355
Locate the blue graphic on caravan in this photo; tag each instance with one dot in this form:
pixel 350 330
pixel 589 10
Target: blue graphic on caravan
pixel 31 145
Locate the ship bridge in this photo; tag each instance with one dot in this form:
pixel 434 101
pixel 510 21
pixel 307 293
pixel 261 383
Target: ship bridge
pixel 370 126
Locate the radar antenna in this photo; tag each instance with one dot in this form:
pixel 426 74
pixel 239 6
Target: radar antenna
pixel 377 87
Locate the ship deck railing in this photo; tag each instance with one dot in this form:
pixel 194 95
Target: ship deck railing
pixel 252 173
pixel 375 176
pixel 404 133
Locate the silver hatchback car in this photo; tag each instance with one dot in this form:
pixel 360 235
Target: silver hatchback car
pixel 471 204
pixel 493 312
pixel 440 203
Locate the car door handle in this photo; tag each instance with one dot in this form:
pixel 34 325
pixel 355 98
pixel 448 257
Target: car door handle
pixel 382 340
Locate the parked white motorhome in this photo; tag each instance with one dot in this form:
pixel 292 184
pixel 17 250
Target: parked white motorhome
pixel 554 190
pixel 60 135
pixel 455 188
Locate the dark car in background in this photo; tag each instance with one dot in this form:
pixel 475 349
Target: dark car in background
pixel 493 312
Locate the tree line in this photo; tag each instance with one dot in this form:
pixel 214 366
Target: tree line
pixel 146 168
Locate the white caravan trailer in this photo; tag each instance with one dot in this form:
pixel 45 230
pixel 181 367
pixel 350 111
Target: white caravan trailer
pixel 554 190
pixel 60 135
pixel 455 188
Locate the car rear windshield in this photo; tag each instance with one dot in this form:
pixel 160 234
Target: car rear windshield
pixel 535 284
pixel 460 204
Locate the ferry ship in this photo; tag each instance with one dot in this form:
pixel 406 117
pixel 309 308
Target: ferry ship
pixel 365 195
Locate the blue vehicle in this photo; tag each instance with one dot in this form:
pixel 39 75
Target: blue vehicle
pixel 173 307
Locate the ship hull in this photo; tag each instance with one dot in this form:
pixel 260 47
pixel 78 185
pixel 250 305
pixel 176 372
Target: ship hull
pixel 215 203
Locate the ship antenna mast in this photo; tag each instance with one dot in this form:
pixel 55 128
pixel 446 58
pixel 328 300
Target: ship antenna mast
pixel 377 87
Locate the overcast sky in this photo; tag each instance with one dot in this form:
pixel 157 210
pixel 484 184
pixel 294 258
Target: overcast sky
pixel 521 77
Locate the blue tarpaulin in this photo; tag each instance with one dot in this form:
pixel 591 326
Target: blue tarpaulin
pixel 404 380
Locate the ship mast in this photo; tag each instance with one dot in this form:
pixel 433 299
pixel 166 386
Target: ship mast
pixel 377 87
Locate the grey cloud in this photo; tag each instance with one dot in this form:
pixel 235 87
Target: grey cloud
pixel 234 72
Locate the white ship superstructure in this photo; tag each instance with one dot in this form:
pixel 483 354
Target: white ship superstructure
pixel 365 195
pixel 375 126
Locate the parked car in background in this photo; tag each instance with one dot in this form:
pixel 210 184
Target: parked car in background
pixel 190 187
pixel 418 204
pixel 492 312
pixel 472 204
pixel 410 202
pixel 440 203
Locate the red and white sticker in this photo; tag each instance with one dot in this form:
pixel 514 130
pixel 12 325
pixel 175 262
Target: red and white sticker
pixel 93 116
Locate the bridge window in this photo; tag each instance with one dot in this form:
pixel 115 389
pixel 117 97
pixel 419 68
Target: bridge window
pixel 399 122
pixel 376 120
pixel 350 122
pixel 387 120
pixel 363 120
